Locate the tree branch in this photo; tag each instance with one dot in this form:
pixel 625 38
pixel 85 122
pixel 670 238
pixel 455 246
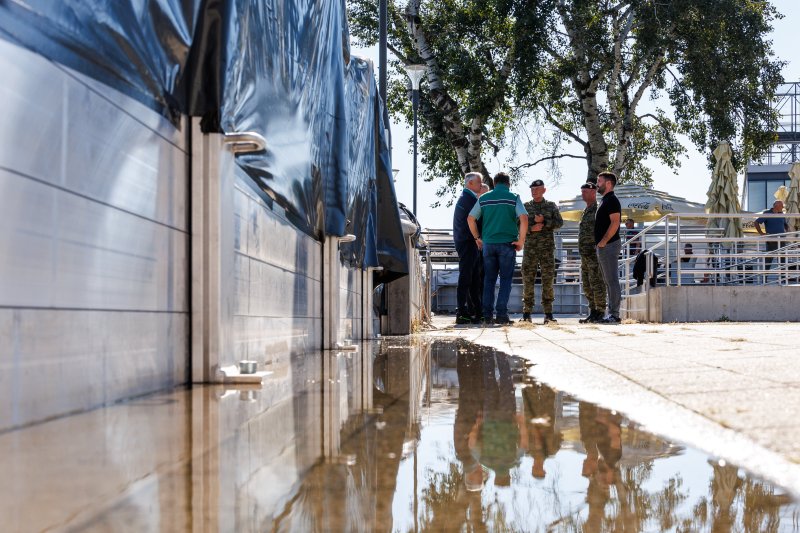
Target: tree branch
pixel 620 35
pixel 678 82
pixel 489 61
pixel 548 158
pixel 398 54
pixel 488 141
pixel 659 120
pixel 561 127
pixel 648 79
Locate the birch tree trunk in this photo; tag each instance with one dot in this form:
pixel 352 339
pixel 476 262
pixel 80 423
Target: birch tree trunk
pixel 597 149
pixel 467 142
pixel 448 107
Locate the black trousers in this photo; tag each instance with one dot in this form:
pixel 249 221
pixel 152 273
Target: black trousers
pixel 470 278
pixel 771 247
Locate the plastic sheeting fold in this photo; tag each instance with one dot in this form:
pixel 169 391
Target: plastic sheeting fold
pixel 281 68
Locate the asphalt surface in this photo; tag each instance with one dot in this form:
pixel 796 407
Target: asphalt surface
pixel 730 389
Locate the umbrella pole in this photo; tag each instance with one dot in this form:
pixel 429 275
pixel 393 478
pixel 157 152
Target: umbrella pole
pixel 626 255
pixel 678 247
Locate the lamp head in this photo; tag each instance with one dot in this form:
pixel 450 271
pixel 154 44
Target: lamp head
pixel 415 73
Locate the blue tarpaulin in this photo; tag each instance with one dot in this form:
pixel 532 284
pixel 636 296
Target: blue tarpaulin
pixel 281 68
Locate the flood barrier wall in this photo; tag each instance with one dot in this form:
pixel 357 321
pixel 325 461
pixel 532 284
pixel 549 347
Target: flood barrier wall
pixel 137 247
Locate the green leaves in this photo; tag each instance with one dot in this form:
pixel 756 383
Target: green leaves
pixel 625 82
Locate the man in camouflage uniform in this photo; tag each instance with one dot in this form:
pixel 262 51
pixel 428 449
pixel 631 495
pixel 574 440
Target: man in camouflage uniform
pixel 594 288
pixel 540 251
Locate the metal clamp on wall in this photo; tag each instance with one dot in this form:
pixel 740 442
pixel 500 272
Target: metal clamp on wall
pixel 245 142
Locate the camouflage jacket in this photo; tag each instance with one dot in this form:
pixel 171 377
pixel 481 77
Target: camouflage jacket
pixel 552 219
pixel 586 229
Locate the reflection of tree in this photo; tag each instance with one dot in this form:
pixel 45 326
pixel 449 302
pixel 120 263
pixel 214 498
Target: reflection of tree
pixel 625 506
pixel 761 512
pixel 667 501
pixel 615 497
pixel 448 506
pixel 734 500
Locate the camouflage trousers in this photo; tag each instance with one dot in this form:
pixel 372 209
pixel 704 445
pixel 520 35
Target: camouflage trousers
pixel 594 288
pixel 537 257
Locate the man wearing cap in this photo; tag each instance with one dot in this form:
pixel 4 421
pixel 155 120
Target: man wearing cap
pixel 540 251
pixel 606 235
pixel 594 288
pixel 470 267
pixel 499 210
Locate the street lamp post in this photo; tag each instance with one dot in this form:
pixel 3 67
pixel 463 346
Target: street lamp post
pixel 415 73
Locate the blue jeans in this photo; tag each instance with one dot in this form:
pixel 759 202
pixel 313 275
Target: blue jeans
pixel 497 259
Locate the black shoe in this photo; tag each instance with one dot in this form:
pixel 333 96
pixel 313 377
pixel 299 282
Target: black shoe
pixel 593 318
pixel 611 320
pixel 548 319
pixel 526 317
pixel 478 319
pixel 463 319
pixel 504 321
pixel 487 322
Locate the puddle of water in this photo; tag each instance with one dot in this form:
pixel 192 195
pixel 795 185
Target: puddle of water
pixel 467 441
pixel 441 436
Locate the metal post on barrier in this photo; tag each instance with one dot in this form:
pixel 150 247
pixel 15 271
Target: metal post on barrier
pixel 648 272
pixel 626 258
pixel 666 251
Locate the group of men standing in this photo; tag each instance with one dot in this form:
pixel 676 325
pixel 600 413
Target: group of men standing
pixel 490 228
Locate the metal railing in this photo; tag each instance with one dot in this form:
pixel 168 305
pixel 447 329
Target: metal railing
pixel 444 259
pixel 726 261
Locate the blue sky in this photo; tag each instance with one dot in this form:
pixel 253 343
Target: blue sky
pixel 691 182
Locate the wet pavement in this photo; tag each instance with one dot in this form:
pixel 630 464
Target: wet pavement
pixel 405 435
pixel 732 389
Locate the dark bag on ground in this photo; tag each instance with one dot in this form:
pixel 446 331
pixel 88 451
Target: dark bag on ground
pixel 640 267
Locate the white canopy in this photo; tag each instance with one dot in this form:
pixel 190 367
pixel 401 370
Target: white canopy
pixel 641 204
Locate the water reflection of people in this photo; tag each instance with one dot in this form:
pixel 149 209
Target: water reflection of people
pixel 724 486
pixel 487 422
pixel 470 401
pixel 540 415
pixel 503 437
pixel 601 435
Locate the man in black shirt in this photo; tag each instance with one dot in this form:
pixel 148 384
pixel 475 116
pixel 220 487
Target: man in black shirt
pixel 606 235
pixel 630 233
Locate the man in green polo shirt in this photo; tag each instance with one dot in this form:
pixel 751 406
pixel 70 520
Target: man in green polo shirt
pixel 499 210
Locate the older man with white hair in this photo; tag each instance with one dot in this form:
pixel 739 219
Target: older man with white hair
pixel 470 263
pixel 772 226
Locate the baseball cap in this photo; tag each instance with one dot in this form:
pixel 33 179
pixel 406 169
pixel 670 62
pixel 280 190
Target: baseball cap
pixel 537 183
pixel 589 185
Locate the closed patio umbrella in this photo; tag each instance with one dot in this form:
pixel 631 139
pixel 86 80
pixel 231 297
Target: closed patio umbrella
pixel 792 201
pixel 723 194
